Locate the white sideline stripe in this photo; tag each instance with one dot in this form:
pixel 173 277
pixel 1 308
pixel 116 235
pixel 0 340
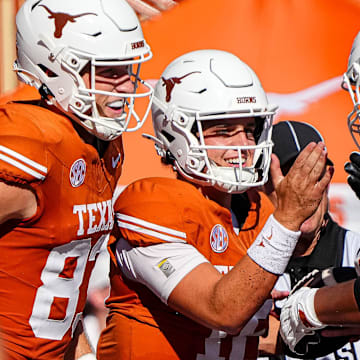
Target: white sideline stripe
pixel 23 159
pixel 151 225
pixel 22 167
pixel 149 232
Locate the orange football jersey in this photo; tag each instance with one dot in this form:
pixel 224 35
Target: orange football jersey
pixel 46 260
pixel 159 210
pixel 21 92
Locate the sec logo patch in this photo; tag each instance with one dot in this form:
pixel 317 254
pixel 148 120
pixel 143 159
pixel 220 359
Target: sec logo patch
pixel 77 173
pixel 219 239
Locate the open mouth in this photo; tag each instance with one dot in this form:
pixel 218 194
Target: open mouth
pixel 116 107
pixel 235 162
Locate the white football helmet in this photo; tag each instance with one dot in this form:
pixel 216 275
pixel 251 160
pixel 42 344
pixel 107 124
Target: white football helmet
pixel 351 83
pixel 207 85
pixel 57 39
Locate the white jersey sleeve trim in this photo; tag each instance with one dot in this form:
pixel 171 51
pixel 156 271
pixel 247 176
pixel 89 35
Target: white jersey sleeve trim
pixel 351 248
pixel 148 228
pixel 159 267
pixel 10 157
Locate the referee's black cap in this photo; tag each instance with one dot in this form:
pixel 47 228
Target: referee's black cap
pixel 291 137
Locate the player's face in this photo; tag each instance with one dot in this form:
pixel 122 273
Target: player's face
pixel 230 132
pixel 114 80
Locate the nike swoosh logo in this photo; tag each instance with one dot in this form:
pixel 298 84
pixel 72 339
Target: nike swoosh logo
pixel 270 236
pixel 115 161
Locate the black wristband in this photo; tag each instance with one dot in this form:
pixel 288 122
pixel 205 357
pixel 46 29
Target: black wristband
pixel 357 291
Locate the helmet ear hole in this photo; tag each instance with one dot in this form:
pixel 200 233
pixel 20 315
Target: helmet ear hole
pixel 49 73
pixel 168 136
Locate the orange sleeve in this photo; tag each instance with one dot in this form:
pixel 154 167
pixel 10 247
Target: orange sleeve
pixel 23 155
pixel 152 211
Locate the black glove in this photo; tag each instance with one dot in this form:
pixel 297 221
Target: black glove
pixel 352 167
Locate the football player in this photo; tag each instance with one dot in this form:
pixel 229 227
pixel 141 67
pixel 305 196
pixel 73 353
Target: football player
pixel 197 256
pixel 60 159
pixel 308 310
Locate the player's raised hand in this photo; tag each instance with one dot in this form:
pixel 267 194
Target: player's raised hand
pixel 299 193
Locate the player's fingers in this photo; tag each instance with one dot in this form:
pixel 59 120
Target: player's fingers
pixel 308 167
pixel 275 171
pixel 302 158
pixel 349 168
pixel 355 158
pixel 279 295
pixel 316 162
pixel 143 9
pixel 163 4
pixel 324 182
pixel 352 169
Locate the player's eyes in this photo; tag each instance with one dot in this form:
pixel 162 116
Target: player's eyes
pixel 105 73
pixel 222 132
pixel 112 72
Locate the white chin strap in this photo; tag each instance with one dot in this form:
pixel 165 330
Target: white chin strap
pixel 223 178
pixel 104 131
pixel 233 180
pixel 107 132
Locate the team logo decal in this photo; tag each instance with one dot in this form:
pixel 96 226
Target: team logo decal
pixel 166 267
pixel 170 83
pixel 219 239
pixel 77 172
pixel 268 238
pixel 61 19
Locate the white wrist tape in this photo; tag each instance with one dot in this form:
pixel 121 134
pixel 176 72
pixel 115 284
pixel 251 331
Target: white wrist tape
pixel 274 246
pixel 89 356
pixel 309 308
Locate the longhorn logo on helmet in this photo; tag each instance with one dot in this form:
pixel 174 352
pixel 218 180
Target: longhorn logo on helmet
pixel 61 19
